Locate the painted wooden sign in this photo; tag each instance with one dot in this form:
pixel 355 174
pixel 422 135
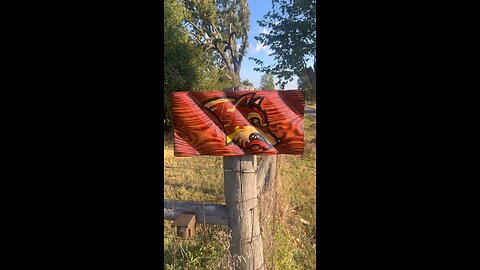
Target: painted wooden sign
pixel 235 123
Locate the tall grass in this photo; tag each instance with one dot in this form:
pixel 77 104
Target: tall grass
pixel 288 212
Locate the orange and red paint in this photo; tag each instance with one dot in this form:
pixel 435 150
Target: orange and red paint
pixel 236 123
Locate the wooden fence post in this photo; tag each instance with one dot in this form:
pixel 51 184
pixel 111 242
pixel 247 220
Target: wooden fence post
pixel 240 183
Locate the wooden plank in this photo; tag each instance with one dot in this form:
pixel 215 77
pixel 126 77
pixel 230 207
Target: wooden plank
pixel 234 123
pixel 214 213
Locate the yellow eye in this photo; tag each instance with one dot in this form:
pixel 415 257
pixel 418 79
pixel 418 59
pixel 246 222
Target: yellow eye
pixel 256 119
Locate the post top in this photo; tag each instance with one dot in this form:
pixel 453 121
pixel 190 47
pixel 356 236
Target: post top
pixel 186 220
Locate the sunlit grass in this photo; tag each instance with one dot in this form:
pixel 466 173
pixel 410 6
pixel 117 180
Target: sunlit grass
pixel 311 104
pixel 293 234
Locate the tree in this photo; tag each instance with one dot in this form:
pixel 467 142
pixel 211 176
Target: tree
pixel 304 83
pixel 186 66
pixel 266 82
pixel 221 26
pixel 247 83
pixel 211 76
pixel 292 38
pixel 178 55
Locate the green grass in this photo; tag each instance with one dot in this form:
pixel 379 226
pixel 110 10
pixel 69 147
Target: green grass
pixel 311 104
pixel 201 179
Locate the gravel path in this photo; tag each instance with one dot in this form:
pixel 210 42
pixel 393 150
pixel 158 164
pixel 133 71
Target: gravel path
pixel 311 111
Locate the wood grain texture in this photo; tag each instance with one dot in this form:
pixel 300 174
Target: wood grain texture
pixel 210 213
pixel 241 199
pixel 235 123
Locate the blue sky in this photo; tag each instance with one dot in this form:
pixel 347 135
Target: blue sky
pixel 258 8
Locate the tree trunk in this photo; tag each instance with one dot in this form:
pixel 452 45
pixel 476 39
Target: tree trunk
pixel 236 71
pixel 235 79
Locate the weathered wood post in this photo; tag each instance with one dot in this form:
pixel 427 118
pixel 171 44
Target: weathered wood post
pixel 240 183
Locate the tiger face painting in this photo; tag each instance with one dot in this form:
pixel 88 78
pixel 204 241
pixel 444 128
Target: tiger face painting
pixel 243 120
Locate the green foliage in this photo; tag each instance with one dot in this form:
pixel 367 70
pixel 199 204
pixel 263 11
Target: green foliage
pixel 292 38
pixel 179 73
pixel 187 67
pixel 266 82
pixel 304 83
pixel 210 76
pixel 221 26
pixel 247 83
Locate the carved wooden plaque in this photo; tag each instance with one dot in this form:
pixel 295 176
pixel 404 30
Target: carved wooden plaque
pixel 235 123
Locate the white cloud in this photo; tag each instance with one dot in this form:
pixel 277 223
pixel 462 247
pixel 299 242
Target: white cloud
pixel 259 47
pixel 265 31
